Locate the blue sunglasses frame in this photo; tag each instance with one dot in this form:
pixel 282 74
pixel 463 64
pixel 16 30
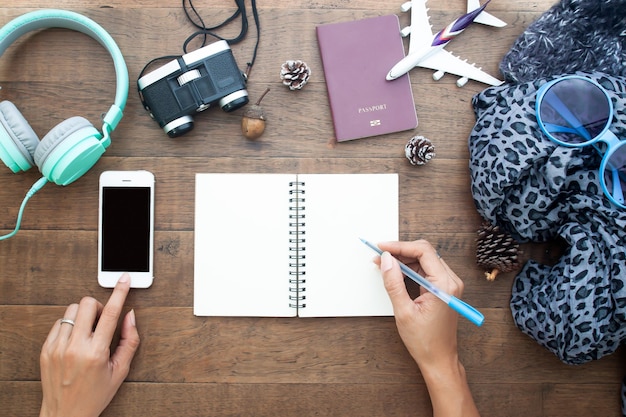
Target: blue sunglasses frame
pixel 576 127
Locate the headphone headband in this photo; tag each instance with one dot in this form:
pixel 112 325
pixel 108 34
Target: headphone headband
pixel 53 18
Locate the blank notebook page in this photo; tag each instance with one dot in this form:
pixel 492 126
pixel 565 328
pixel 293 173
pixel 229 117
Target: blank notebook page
pixel 341 279
pixel 241 237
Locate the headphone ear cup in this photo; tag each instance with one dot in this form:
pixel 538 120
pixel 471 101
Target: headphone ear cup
pixel 69 150
pixel 18 141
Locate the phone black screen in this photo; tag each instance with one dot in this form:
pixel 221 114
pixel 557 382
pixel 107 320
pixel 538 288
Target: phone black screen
pixel 126 229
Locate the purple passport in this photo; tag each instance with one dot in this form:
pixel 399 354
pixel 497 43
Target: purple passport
pixel 356 56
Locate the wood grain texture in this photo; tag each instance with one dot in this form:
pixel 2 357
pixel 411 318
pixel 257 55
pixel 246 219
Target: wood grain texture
pixel 191 366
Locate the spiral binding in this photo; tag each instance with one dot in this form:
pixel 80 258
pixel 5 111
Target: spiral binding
pixel 297 245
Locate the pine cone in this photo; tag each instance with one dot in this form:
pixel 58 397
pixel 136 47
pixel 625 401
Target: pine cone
pixel 295 74
pixel 419 150
pixel 496 251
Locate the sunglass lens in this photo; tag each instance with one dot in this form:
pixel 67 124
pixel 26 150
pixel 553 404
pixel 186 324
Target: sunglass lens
pixel 574 110
pixel 615 174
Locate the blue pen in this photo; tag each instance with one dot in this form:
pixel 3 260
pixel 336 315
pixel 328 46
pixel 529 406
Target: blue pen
pixel 457 305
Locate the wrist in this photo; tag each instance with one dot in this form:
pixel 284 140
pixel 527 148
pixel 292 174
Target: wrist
pixel 54 410
pixel 448 389
pixel 45 413
pixel 444 372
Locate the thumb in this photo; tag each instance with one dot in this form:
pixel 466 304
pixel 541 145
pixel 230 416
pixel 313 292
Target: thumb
pixel 127 347
pixel 394 281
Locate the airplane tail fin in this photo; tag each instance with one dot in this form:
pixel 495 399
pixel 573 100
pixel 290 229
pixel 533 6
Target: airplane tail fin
pixel 484 17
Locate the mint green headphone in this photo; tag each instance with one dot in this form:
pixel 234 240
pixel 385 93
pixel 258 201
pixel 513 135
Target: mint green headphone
pixel 73 146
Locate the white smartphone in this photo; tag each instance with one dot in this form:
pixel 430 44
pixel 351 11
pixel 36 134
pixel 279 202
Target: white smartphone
pixel 126 227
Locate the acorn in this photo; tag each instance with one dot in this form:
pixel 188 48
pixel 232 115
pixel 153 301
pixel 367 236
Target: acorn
pixel 253 120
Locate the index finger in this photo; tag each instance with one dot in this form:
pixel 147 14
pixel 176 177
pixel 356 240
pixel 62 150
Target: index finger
pixel 420 250
pixel 433 268
pixel 112 310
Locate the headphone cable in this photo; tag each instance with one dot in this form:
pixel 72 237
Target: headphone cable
pixel 36 187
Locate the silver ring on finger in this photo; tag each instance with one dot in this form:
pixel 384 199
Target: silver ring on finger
pixel 67 321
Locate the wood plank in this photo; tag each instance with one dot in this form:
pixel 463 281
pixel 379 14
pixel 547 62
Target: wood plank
pixel 558 397
pixel 178 347
pixel 392 399
pixel 77 204
pixel 51 279
pixel 448 133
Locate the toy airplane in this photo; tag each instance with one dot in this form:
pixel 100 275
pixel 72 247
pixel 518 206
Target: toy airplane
pixel 427 50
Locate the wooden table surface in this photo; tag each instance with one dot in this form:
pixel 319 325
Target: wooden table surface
pixel 210 366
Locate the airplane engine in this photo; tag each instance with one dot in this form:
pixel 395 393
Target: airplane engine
pixel 462 81
pixel 438 75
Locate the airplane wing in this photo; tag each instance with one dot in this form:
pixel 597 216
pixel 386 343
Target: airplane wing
pixel 484 18
pixel 421 31
pixel 446 62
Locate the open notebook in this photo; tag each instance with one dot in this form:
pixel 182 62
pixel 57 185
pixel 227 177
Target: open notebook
pixel 280 245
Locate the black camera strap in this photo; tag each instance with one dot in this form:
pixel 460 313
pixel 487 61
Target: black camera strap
pixel 204 31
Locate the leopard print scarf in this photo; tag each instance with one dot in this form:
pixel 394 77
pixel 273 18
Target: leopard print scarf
pixel 538 191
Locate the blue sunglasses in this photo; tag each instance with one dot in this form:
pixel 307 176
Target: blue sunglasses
pixel 575 111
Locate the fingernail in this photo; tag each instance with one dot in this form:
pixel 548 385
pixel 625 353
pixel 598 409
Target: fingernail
pixel 386 261
pixel 131 314
pixel 124 278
